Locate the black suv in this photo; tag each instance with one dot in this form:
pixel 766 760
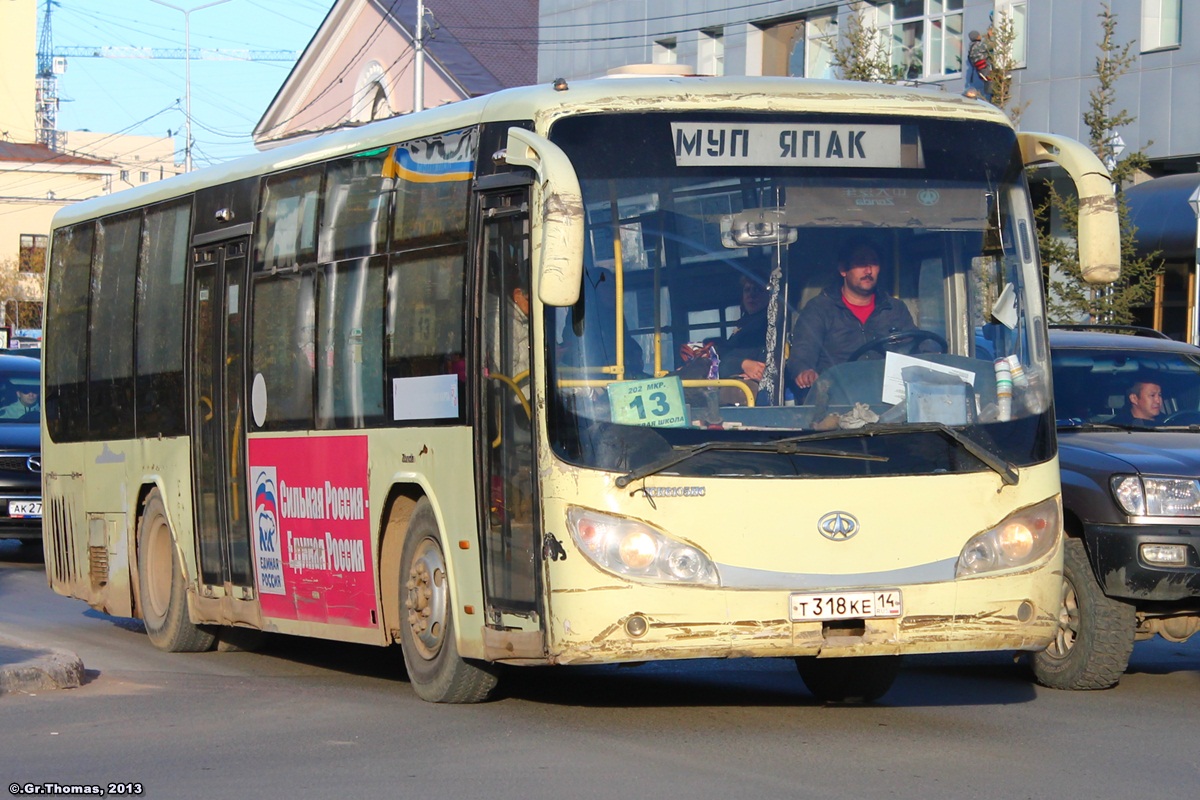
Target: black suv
pixel 1128 411
pixel 20 449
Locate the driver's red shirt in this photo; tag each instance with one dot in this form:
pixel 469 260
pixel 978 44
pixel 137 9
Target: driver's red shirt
pixel 862 312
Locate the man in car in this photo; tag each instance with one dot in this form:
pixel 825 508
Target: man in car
pixel 841 319
pixel 26 403
pixel 1143 404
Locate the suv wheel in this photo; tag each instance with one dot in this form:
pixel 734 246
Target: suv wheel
pixel 1095 632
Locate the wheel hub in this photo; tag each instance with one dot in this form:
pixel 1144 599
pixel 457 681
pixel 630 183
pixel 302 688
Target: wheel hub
pixel 1068 623
pixel 425 601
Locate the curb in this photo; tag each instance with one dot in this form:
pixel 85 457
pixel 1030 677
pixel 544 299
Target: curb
pixel 28 668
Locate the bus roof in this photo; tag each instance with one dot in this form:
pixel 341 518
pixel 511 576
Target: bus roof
pixel 543 104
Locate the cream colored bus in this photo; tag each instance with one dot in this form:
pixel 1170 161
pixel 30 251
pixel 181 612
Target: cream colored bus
pixel 469 381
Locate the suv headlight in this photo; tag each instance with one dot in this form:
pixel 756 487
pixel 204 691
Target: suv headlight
pixel 1022 538
pixel 633 549
pixel 1156 497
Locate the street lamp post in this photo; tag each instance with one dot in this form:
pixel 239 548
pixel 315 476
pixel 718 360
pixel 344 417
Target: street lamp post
pixel 187 74
pixel 1194 202
pixel 419 60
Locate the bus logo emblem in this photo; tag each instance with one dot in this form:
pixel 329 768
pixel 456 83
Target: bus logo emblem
pixel 837 526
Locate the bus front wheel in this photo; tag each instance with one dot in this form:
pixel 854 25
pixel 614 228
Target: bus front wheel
pixel 163 598
pixel 857 678
pixel 437 672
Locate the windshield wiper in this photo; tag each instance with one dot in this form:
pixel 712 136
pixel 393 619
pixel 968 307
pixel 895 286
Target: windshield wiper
pixel 1006 471
pixel 782 446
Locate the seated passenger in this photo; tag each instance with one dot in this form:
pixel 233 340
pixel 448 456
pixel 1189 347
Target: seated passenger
pixel 744 353
pixel 842 318
pixel 1143 404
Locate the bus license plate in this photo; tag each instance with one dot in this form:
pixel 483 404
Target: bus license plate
pixel 18 509
pixel 846 605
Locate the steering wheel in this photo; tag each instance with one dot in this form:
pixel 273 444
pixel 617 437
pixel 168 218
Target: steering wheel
pixel 912 337
pixel 1184 417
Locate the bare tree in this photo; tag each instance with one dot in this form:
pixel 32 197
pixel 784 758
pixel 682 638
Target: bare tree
pixel 1000 40
pixel 20 296
pixel 864 54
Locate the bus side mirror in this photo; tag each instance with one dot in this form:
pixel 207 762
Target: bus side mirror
pixel 558 255
pixel 1099 230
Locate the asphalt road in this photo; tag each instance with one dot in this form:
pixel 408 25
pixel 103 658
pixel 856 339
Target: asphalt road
pixel 305 718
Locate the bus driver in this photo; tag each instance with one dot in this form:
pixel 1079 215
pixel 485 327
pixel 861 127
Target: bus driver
pixel 841 319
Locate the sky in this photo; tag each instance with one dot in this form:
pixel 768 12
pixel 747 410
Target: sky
pixel 146 96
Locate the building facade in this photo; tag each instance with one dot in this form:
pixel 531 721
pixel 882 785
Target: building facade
pixel 1055 48
pixel 36 181
pixel 361 64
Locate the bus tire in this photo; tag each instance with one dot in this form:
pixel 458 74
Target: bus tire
pixel 437 672
pixel 1095 634
pixel 862 679
pixel 163 596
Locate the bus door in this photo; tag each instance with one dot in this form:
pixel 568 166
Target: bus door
pixel 218 424
pixel 505 449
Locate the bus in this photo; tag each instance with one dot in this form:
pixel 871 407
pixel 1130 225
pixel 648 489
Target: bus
pixel 452 381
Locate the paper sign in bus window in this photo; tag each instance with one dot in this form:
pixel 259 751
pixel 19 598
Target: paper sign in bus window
pixel 655 402
pixel 425 397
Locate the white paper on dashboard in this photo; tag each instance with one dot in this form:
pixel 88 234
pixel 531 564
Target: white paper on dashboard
pixel 1005 308
pixel 893 377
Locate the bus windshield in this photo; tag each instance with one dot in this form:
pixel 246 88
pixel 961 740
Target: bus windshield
pixel 799 295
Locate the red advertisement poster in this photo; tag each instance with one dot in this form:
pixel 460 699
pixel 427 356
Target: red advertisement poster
pixel 312 529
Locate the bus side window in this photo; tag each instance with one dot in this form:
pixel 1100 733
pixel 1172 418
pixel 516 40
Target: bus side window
pixel 357 198
pixel 114 267
pixel 350 344
pixel 284 348
pixel 159 337
pixel 352 292
pixel 425 320
pixel 289 210
pixel 66 399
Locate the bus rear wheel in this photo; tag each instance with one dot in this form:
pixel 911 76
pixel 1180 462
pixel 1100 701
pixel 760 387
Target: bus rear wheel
pixel 858 679
pixel 163 597
pixel 437 672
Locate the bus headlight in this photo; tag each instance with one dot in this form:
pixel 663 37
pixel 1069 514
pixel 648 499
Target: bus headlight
pixel 633 549
pixel 1020 539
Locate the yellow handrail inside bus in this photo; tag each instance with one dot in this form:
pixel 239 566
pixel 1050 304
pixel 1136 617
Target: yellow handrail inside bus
pixel 619 277
pixel 235 479
pixel 513 383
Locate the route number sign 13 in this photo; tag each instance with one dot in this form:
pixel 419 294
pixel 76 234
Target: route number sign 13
pixel 655 402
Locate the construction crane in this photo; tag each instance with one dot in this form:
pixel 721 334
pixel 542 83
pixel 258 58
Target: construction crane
pixel 81 51
pixel 52 62
pixel 46 102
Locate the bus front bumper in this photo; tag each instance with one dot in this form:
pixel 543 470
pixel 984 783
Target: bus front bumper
pixel 1004 612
